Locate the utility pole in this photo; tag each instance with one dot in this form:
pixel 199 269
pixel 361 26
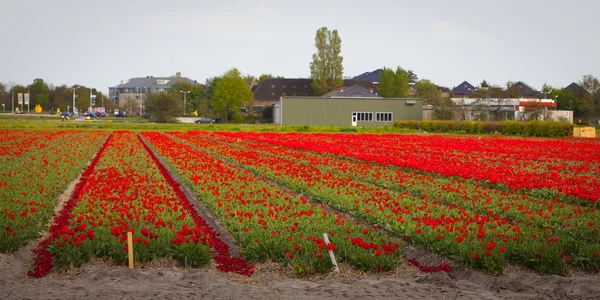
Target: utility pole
pixel 13 100
pixel 28 100
pixel 184 100
pixel 73 88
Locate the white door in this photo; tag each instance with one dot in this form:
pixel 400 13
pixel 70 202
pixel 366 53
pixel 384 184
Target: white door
pixel 353 119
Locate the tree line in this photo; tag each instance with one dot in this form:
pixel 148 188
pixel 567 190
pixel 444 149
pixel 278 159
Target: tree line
pixel 51 97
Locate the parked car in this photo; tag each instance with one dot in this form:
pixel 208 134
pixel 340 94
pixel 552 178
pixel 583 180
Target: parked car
pixel 89 115
pixel 147 116
pixel 100 115
pixel 65 115
pixel 205 120
pixel 121 115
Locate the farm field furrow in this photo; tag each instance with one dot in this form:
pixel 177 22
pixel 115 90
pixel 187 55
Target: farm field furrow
pixel 439 223
pixel 563 166
pixel 269 223
pixel 32 182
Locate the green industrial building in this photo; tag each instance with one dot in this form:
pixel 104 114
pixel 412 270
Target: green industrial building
pixel 346 111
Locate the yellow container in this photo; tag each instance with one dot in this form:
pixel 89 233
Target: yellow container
pixel 585 132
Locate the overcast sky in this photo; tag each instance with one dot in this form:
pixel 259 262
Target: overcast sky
pixel 99 43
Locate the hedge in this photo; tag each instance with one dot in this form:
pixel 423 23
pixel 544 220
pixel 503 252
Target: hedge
pixel 531 128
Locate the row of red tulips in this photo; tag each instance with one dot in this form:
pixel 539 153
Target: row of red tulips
pixel 550 166
pixel 270 223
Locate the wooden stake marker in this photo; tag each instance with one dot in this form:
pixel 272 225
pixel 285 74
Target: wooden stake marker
pixel 130 249
pixel 326 238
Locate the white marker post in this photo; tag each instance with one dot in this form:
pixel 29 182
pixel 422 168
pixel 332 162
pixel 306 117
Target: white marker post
pixel 326 238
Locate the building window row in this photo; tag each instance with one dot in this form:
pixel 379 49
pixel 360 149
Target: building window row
pixel 383 117
pixel 363 116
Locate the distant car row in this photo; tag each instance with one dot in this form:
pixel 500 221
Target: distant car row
pixel 90 115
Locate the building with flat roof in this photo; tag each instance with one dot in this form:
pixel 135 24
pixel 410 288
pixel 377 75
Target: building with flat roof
pixel 346 111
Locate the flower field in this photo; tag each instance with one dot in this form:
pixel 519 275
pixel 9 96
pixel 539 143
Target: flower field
pixel 476 224
pixel 562 167
pixel 124 191
pixel 486 202
pixel 36 168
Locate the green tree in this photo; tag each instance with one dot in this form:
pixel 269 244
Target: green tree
pixel 484 84
pixel 164 107
pixel 60 98
pixel 393 84
pixel 412 77
pixel 591 100
pixel 326 69
pixel 4 97
pixel 42 100
pixel 250 80
pixel 197 99
pixel 40 93
pixel 431 94
pixel 210 86
pixel 263 77
pixel 230 94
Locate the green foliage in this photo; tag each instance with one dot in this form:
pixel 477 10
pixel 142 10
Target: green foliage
pixel 42 100
pixel 429 92
pixel 532 128
pixel 263 77
pixel 591 100
pixel 164 107
pixel 393 84
pixel 211 85
pixel 326 68
pixel 231 93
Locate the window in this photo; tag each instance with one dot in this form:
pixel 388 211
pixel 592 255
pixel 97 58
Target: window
pixel 272 94
pixel 283 86
pixel 272 86
pixel 363 116
pixel 161 81
pixel 383 117
pixel 283 94
pixel 294 86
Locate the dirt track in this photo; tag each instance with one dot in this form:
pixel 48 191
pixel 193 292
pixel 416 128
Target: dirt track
pixel 98 280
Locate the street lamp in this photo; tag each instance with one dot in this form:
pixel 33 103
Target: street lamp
pixel 73 88
pixel 3 108
pixel 556 102
pixel 184 99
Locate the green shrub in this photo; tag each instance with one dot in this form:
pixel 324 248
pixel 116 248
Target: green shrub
pixel 531 128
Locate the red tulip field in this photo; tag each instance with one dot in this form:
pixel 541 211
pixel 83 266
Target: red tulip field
pixel 484 202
